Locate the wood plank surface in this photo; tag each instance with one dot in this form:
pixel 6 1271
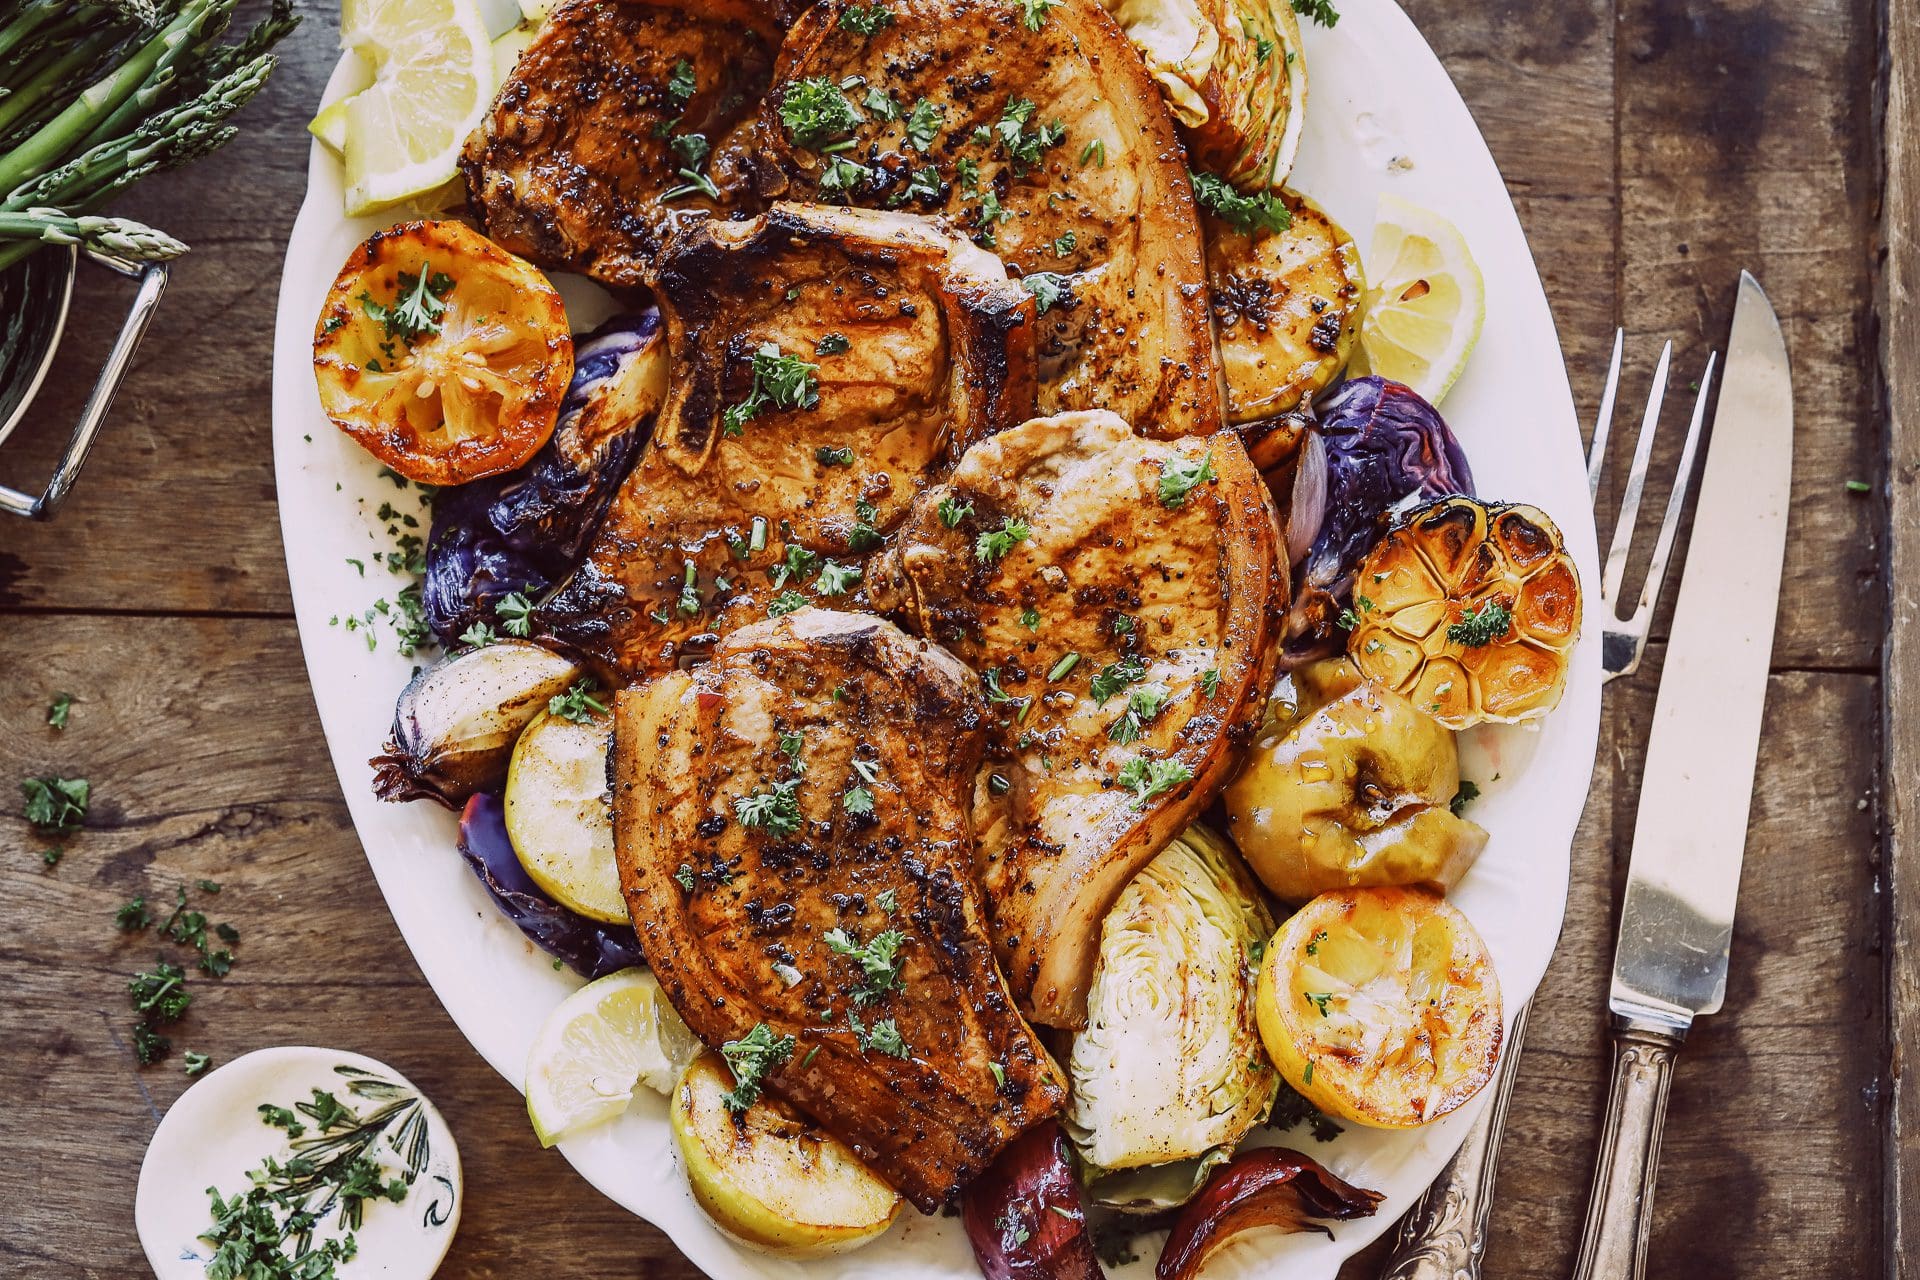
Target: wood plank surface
pixel 1653 147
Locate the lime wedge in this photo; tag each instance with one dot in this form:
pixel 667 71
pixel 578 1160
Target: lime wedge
pixel 1427 300
pixel 330 127
pixel 433 78
pixel 597 1048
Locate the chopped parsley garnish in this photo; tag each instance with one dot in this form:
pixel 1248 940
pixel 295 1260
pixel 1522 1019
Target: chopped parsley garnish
pixel 516 610
pixel 1034 12
pixel 1064 667
pixel 1265 212
pixel 1262 49
pixel 990 683
pixel 1477 630
pixel 815 113
pixel 1209 682
pixel 161 995
pixel 832 344
pixel 1050 289
pixel 688 602
pixel 922 184
pixel 1095 151
pixel 1022 146
pixel 1321 11
pixel 883 1038
pixel 878 959
pixel 1319 1000
pixel 1313 944
pixel 779 382
pixel 682 85
pixel 837 579
pixel 966 171
pixel 417 306
pixel 866 21
pixel 56 805
pixel 887 900
pixel 864 535
pixel 196 1064
pixel 797 562
pixel 691 149
pixel 858 802
pixel 683 877
pixel 1115 677
pixel 1348 619
pixel 578 703
pixel 831 456
pixel 995 544
pixel 133 916
pixel 750 1059
pixel 478 636
pixel 923 125
pixel 1150 778
pixel 1181 476
pixel 952 512
pixel 57 713
pixel 1143 704
pixel 790 744
pixel 775 810
pixel 785 603
pixel 1466 795
pixel 1030 619
pixel 842 176
pixel 1064 244
pixel 880 104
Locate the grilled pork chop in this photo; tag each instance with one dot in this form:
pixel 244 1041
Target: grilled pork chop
pixel 893 347
pixel 793 826
pixel 1036 130
pixel 1115 595
pixel 600 140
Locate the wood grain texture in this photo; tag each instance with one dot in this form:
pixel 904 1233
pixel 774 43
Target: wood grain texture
pixel 1897 305
pixel 1652 147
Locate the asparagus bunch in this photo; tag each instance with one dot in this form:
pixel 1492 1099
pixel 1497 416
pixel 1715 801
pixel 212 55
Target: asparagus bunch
pixel 97 94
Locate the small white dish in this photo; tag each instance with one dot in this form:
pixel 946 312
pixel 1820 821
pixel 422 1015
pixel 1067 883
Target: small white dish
pixel 215 1135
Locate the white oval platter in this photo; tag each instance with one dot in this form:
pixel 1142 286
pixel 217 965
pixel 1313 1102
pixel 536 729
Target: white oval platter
pixel 1382 116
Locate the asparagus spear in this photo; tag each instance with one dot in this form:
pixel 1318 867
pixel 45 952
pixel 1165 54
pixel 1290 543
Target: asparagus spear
pixel 121 237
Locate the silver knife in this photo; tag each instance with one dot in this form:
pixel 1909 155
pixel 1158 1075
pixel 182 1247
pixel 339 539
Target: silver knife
pixel 1676 923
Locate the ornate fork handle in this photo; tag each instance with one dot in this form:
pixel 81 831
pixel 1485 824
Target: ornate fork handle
pixel 1444 1235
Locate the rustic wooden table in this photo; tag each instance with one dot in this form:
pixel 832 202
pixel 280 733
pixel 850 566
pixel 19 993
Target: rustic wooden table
pixel 1654 148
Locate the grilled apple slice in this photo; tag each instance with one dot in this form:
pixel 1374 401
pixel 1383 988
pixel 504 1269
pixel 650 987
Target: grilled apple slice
pixel 1470 609
pixel 558 812
pixel 1355 791
pixel 442 354
pixel 1286 307
pixel 1380 1006
pixel 769 1176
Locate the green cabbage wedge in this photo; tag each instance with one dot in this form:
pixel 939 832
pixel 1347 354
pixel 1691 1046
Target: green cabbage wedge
pixel 1170 1074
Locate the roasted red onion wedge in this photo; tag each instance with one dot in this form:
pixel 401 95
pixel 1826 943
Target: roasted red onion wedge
pixel 1270 1187
pixel 1024 1215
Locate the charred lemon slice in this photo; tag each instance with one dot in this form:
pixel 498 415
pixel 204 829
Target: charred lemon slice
pixel 444 355
pixel 1380 1006
pixel 1285 308
pixel 1470 610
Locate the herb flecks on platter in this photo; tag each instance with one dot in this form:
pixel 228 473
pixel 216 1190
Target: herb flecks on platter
pixel 342 1158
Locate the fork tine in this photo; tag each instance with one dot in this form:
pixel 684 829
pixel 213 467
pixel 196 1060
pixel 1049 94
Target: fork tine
pixel 1616 568
pixel 1603 421
pixel 1676 502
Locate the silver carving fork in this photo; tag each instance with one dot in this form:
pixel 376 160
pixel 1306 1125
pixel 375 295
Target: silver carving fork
pixel 1444 1235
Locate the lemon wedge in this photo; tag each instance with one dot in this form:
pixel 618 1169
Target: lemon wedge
pixel 557 814
pixel 433 78
pixel 1428 300
pixel 597 1048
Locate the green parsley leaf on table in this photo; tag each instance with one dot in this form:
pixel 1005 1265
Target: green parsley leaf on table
pixel 61 707
pixel 56 804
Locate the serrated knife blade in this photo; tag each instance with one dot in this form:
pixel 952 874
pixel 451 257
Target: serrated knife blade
pixel 1676 922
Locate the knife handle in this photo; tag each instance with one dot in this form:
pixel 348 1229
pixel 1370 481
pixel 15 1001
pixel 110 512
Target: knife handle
pixel 1620 1213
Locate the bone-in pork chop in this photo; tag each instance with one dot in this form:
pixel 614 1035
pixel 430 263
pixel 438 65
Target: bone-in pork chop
pixel 793 824
pixel 826 365
pixel 1036 130
pixel 1115 594
pixel 623 119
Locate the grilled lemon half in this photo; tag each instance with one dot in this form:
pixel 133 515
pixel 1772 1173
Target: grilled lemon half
pixel 1380 1006
pixel 1470 609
